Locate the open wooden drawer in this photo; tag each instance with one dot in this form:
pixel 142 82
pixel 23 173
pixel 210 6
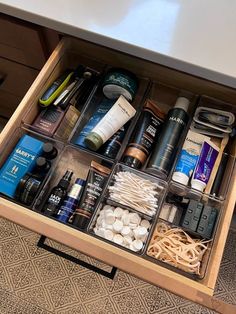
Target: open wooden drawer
pixel 200 291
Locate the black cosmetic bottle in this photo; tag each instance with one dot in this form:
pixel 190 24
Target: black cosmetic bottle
pixel 49 151
pixel 165 150
pixel 42 167
pixel 57 195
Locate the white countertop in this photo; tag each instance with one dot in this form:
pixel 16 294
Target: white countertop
pixel 195 36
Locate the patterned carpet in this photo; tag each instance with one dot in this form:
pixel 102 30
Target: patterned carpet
pixel 33 281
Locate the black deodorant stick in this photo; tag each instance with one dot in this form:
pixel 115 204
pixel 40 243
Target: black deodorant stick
pixel 167 144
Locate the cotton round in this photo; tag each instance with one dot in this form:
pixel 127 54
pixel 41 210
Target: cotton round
pixel 108 234
pixel 118 225
pixel 118 212
pixel 110 218
pixel 134 218
pixel 145 223
pixel 118 239
pixel 125 219
pixel 136 245
pixel 125 231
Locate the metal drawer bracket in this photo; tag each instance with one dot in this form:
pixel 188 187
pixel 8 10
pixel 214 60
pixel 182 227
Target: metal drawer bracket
pixel 110 275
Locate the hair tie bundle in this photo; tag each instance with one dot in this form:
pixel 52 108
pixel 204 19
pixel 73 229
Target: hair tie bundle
pixel 177 248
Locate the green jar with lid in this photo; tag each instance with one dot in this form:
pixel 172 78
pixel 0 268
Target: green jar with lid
pixel 118 82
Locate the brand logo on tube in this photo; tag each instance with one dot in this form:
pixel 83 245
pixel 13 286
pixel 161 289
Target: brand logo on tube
pixel 25 154
pixel 124 109
pixel 178 120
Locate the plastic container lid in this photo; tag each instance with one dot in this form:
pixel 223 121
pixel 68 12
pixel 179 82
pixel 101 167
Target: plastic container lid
pixel 93 141
pixel 113 92
pixel 49 151
pixel 182 103
pixel 180 177
pixel 198 185
pixel 132 162
pixel 120 82
pixel 65 181
pixel 111 151
pixel 41 162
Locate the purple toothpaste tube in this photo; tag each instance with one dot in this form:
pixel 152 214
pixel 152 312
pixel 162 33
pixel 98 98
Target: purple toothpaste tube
pixel 204 166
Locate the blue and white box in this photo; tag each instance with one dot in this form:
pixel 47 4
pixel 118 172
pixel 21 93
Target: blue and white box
pixel 21 161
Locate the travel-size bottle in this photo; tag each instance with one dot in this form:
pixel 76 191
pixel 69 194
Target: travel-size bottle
pixel 71 201
pixel 57 195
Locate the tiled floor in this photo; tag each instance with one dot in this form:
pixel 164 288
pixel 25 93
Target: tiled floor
pixel 33 281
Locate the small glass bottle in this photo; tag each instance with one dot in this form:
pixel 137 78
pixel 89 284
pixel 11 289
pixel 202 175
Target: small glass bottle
pixel 57 195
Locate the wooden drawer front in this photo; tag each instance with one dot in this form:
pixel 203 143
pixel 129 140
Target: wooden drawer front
pixel 17 80
pixel 199 291
pixel 21 43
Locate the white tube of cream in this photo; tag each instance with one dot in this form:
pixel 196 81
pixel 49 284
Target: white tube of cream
pixel 120 113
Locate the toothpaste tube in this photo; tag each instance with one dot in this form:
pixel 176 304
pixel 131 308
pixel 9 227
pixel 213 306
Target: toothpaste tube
pixel 188 157
pixel 205 164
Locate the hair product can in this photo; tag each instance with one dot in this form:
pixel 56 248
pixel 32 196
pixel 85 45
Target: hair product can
pixel 164 153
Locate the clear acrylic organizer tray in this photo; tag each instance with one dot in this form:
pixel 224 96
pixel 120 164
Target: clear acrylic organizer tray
pixel 10 146
pixel 160 189
pixel 105 200
pixel 125 244
pixel 206 200
pixel 72 159
pixel 93 103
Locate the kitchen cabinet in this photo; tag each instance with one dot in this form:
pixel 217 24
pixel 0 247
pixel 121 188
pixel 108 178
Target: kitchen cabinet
pixel 24 48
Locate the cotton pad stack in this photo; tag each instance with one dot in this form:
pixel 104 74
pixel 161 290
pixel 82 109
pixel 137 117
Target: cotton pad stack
pixel 123 227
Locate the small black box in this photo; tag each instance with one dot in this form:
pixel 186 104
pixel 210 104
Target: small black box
pixel 192 215
pixel 207 222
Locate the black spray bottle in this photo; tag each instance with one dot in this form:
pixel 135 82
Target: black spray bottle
pixel 165 150
pixel 57 195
